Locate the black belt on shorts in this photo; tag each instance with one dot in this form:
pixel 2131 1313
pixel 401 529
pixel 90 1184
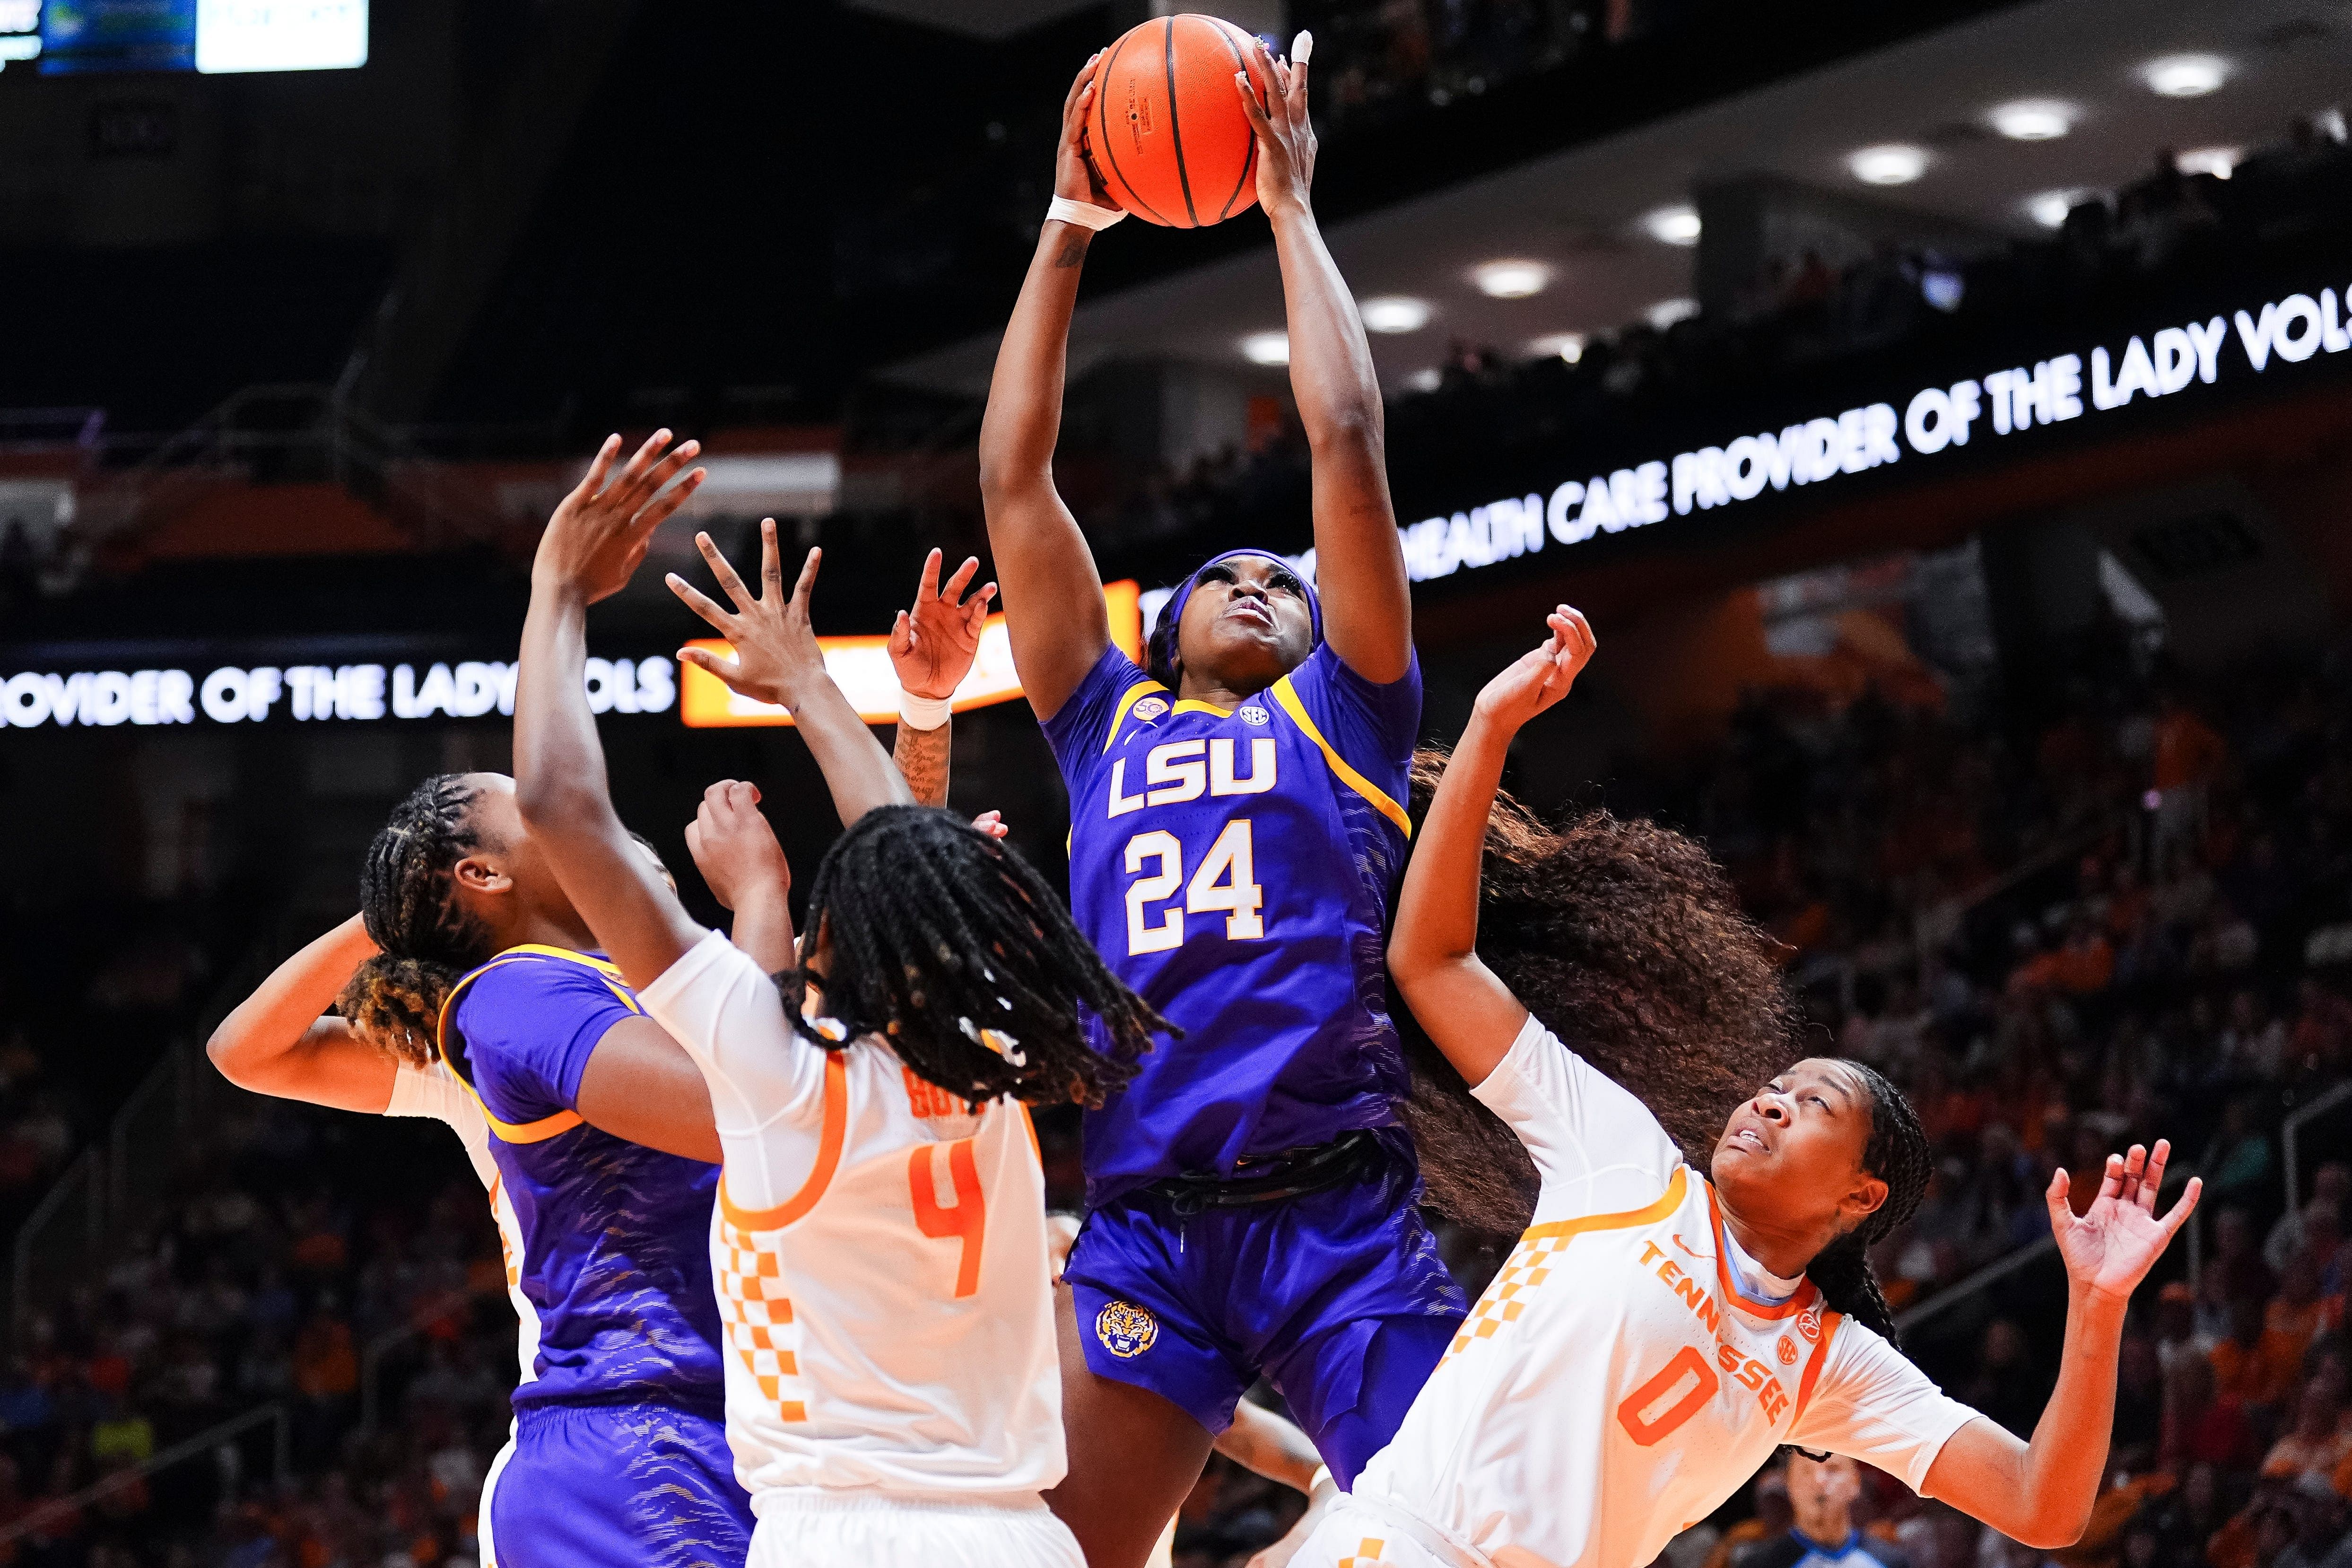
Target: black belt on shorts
pixel 1294 1173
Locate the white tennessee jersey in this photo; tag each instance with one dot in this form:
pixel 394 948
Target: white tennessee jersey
pixel 879 1254
pixel 433 1091
pixel 1613 1386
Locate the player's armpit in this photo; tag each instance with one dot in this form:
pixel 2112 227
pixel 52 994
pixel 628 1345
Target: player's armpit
pixel 640 1084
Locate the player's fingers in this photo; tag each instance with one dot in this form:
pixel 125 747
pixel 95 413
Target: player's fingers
pixel 927 587
pixel 975 611
pixel 694 837
pixel 1078 84
pixel 2184 1208
pixel 657 511
pixel 642 459
pixel 1302 50
pixel 902 636
pixel 772 564
pixel 727 669
pixel 806 587
pixel 956 584
pixel 724 571
pixel 714 793
pixel 2055 1196
pixel 2111 1179
pixel 2135 1173
pixel 700 602
pixel 2152 1181
pixel 599 465
pixel 1258 122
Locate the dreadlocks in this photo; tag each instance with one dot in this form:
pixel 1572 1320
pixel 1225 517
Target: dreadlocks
pixel 1625 939
pixel 1898 1154
pixel 428 940
pixel 949 946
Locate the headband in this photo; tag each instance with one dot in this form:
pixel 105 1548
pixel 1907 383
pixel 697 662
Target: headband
pixel 1162 652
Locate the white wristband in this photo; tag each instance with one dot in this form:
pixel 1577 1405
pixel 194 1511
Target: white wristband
pixel 1086 214
pixel 923 712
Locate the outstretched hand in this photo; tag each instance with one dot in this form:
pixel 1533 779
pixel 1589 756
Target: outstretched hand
pixel 599 532
pixel 776 653
pixel 734 847
pixel 1286 135
pixel 1541 677
pixel 933 644
pixel 1075 175
pixel 2111 1247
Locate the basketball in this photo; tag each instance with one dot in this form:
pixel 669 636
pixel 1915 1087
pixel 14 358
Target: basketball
pixel 1167 132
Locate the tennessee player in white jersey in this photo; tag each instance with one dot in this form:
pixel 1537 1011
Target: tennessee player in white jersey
pixel 1654 1337
pixel 879 1246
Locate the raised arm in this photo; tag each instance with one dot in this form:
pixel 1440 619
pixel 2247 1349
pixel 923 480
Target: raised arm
pixel 279 1042
pixel 1359 562
pixel 1467 1011
pixel 2040 1492
pixel 931 649
pixel 593 543
pixel 736 851
pixel 1054 605
pixel 777 659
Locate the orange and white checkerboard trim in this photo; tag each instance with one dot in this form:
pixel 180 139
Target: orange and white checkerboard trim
pixel 1368 1552
pixel 1530 1263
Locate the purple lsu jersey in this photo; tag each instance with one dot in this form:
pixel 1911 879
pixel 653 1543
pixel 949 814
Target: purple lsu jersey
pixel 615 1236
pixel 1234 869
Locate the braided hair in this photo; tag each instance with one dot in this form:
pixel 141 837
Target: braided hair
pixel 1625 940
pixel 1898 1154
pixel 949 946
pixel 426 940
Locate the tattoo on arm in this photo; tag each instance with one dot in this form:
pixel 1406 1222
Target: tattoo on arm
pixel 922 759
pixel 1073 252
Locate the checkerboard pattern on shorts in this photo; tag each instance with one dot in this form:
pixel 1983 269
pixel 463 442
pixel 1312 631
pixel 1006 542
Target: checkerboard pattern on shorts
pixel 1527 1267
pixel 757 1313
pixel 1366 1555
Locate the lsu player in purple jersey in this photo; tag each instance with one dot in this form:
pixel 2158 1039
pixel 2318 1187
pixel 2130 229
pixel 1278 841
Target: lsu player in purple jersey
pixel 1237 823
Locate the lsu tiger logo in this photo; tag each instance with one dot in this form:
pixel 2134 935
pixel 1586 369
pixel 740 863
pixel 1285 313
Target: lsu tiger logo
pixel 1126 1330
pixel 1151 708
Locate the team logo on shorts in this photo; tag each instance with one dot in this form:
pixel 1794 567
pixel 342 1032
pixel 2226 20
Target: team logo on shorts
pixel 1126 1330
pixel 1151 708
pixel 1787 1351
pixel 1254 714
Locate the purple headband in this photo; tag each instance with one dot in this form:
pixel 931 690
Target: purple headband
pixel 1162 652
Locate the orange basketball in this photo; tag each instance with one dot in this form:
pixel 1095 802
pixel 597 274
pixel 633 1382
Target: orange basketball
pixel 1167 132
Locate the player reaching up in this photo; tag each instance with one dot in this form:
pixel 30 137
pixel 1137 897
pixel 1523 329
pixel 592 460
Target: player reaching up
pixel 1658 1332
pixel 880 1244
pixel 1237 827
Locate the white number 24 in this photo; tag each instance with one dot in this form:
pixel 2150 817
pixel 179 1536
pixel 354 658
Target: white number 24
pixel 1226 881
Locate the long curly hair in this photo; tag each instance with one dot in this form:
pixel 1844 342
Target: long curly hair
pixel 947 945
pixel 427 940
pixel 1625 940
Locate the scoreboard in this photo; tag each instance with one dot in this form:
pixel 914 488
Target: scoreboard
pixel 213 36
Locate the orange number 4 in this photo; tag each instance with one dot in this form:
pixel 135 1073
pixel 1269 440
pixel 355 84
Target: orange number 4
pixel 1641 1417
pixel 966 1221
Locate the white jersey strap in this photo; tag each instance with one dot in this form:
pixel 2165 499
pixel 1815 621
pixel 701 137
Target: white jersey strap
pixel 1443 1544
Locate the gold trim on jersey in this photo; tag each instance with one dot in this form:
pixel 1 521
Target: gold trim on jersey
pixel 562 1121
pixel 1287 696
pixel 1127 700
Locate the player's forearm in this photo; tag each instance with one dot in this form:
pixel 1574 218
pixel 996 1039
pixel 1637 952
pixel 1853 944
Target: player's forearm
pixel 1331 372
pixel 1437 912
pixel 259 1036
pixel 923 757
pixel 763 929
pixel 559 783
pixel 1023 420
pixel 2067 1458
pixel 856 769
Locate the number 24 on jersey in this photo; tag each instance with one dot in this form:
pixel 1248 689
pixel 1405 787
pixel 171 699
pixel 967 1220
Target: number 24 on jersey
pixel 1223 882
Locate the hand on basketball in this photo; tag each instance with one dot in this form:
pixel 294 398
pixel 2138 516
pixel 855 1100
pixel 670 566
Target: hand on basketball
pixel 932 646
pixel 1074 168
pixel 733 846
pixel 2111 1247
pixel 1541 677
pixel 1286 136
pixel 776 654
pixel 600 532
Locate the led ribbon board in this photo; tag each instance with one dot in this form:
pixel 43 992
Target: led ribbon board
pixel 861 668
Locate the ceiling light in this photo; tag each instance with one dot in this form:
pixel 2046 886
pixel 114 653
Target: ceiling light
pixel 1674 226
pixel 2185 76
pixel 1266 348
pixel 1569 346
pixel 1426 379
pixel 1892 165
pixel 1395 313
pixel 2050 208
pixel 1511 279
pixel 1666 312
pixel 2033 119
pixel 2218 161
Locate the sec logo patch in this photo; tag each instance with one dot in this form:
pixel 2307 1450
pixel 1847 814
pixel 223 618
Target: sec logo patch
pixel 1254 714
pixel 1126 1330
pixel 1787 1351
pixel 1151 708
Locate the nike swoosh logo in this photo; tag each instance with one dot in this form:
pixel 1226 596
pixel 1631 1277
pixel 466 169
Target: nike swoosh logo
pixel 1702 1257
